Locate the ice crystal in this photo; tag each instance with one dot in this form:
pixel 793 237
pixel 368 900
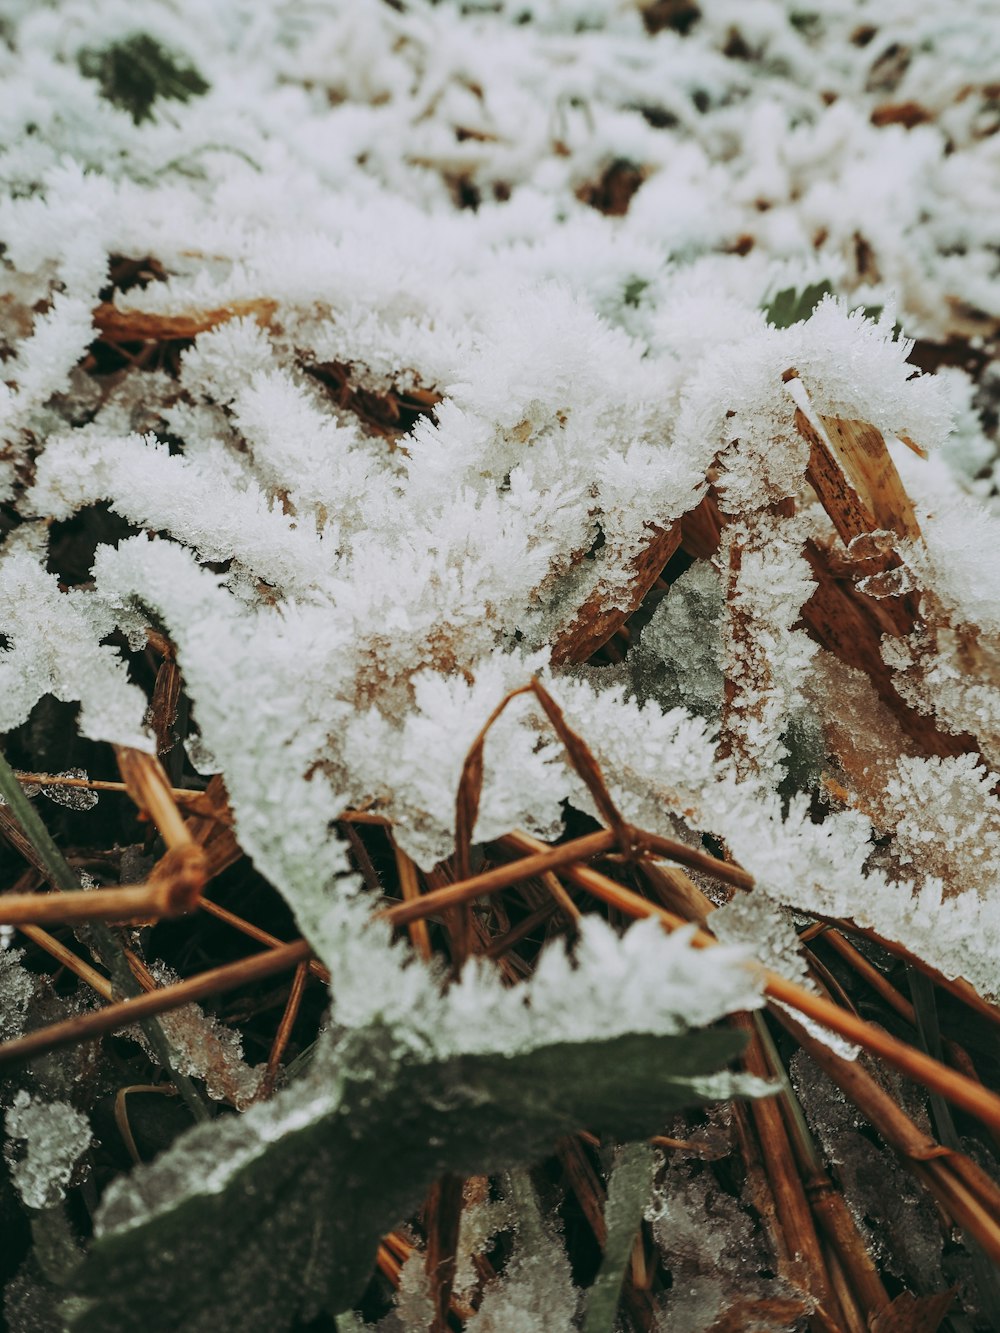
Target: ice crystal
pixel 536 1292
pixel 52 1136
pixel 442 319
pixel 209 1050
pixel 17 989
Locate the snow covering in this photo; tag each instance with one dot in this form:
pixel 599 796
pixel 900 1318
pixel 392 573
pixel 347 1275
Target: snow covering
pixel 436 312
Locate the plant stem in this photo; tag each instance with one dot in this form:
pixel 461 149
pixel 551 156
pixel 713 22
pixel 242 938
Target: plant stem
pixel 63 878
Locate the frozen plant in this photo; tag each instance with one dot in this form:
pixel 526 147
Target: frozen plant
pixel 366 362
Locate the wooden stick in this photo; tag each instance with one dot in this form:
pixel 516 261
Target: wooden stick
pixel 410 885
pixel 136 903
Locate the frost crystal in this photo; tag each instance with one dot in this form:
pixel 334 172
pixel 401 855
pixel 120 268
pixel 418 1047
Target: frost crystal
pixel 536 1293
pixel 17 989
pixel 447 321
pixel 209 1050
pixel 54 1135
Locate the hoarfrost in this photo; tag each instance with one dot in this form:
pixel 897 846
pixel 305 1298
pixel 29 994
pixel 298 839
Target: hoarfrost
pixel 536 1292
pixel 209 1050
pixel 54 1135
pixel 417 385
pixel 414 1302
pixel 17 990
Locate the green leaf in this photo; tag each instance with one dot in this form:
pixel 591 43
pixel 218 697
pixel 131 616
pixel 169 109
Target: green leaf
pixel 249 1222
pixel 12 793
pixel 628 1193
pixel 634 288
pixel 790 307
pixel 134 72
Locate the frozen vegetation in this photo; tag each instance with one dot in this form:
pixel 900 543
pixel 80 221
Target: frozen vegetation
pixel 399 347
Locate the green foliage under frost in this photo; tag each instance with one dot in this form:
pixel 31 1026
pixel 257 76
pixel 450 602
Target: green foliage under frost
pixel 249 1223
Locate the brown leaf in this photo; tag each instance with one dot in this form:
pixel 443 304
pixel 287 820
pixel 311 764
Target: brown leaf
pixel 907 114
pixel 163 712
pixel 701 528
pixel 596 620
pixel 913 1314
pixel 855 478
pixel 121 326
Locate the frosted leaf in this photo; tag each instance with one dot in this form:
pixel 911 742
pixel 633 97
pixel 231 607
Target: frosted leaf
pixel 54 1136
pixel 54 647
pixel 644 980
pixel 629 1186
pixel 751 920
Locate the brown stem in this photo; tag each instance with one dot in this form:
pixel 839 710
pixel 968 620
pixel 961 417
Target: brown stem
pixel 137 903
pixel 443 1218
pixel 194 801
pixel 56 949
pixel 150 789
pixel 410 886
pixel 803 1253
pixel 85 1027
pixel 256 933
pixel 284 1031
pixel 501 943
pixel 955 1086
pixel 500 877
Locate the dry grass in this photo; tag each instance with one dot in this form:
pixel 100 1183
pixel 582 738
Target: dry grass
pixel 527 893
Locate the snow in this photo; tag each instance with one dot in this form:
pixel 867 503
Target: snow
pixel 426 400
pixel 371 210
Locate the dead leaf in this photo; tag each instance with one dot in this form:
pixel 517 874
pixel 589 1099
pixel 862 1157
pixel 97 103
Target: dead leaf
pixel 122 326
pixel 596 620
pixel 855 478
pixel 913 1314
